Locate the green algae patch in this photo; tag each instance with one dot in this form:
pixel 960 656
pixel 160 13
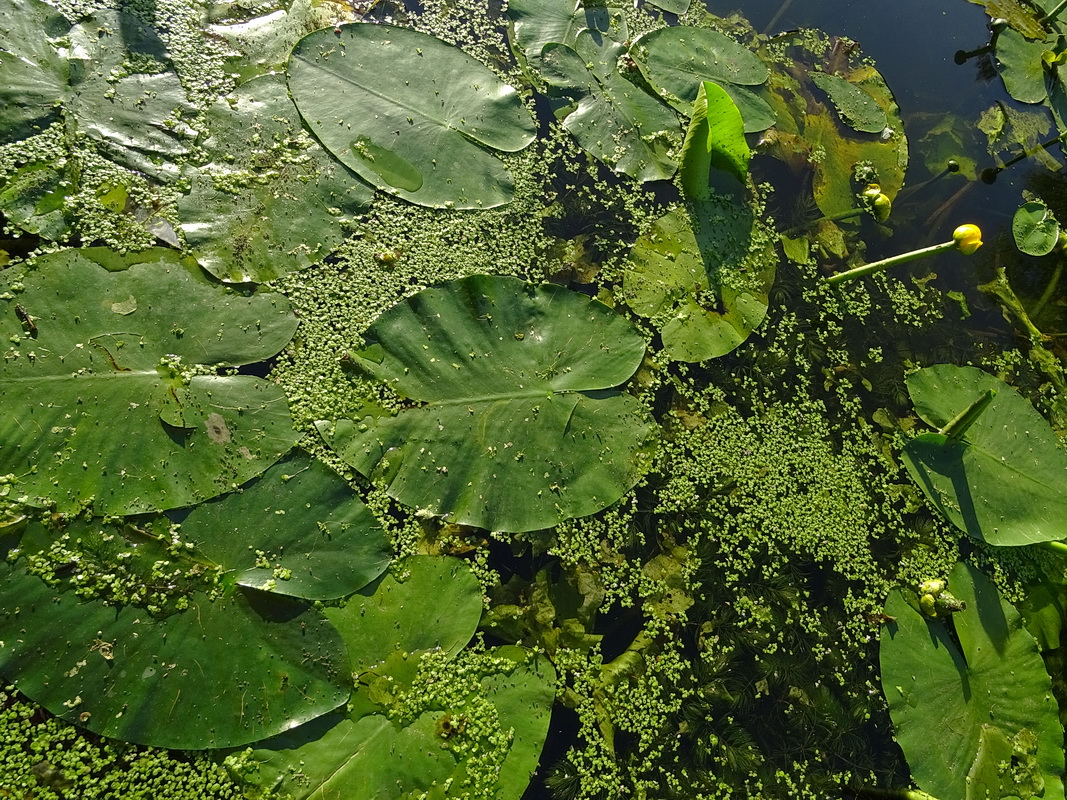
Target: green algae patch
pixel 512 421
pixel 113 394
pixel 387 102
pixel 976 679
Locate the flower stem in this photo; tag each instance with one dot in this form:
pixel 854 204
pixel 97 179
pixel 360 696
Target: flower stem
pixel 1050 289
pixel 886 263
pixel 1053 13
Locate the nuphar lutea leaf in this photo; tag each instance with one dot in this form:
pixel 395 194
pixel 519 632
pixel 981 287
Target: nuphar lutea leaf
pixel 514 421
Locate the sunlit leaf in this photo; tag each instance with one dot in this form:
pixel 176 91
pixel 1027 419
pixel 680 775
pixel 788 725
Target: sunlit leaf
pixel 854 105
pixel 987 700
pixel 539 22
pixel 1035 229
pixel 33 75
pixel 113 399
pixel 515 423
pixel 409 113
pixel 715 138
pixel 1005 480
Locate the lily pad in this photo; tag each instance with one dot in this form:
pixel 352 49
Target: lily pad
pixel 222 673
pixel 702 274
pixel 984 695
pixel 536 23
pixel 1005 480
pixel 1035 229
pixel 625 127
pixel 1022 66
pixel 271 199
pixel 677 59
pixel 409 113
pixel 113 399
pixel 497 720
pixel 34 77
pixel 514 423
pixel 425 603
pixel 297 530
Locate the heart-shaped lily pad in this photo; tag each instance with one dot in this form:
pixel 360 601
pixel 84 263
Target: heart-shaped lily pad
pixel 409 113
pixel 1005 480
pixel 515 423
pixel 110 387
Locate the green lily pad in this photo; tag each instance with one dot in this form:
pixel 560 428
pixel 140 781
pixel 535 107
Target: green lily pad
pixel 493 723
pixel 677 59
pixel 1005 480
pixel 536 23
pixel 1035 229
pixel 987 700
pixel 297 530
pixel 409 113
pixel 514 423
pixel 113 399
pixel 1021 65
pixel 854 105
pixel 222 673
pixel 625 127
pixel 425 603
pixel 271 199
pixel 34 77
pixel 1021 15
pixel 702 274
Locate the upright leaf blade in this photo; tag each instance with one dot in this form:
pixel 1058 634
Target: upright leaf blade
pixel 715 138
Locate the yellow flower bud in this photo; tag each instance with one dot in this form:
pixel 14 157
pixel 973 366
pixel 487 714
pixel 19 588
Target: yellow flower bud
pixel 880 207
pixel 968 238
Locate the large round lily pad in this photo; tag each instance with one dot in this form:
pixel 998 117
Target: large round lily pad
pixel 514 423
pixel 409 113
pixel 536 23
pixel 702 274
pixel 110 389
pixel 222 673
pixel 986 701
pixel 33 75
pixel 270 199
pixel 1005 480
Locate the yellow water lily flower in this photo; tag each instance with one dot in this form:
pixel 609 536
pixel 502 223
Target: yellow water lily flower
pixel 968 238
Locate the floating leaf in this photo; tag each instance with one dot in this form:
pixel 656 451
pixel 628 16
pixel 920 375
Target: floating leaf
pixel 297 530
pixel 33 75
pixel 271 200
pixel 514 424
pixel 424 603
pixel 715 138
pixel 222 673
pixel 1005 481
pixel 374 758
pixel 1036 230
pixel 678 7
pixel 702 275
pixel 536 23
pixel 619 123
pixel 113 401
pixel 409 113
pixel 854 105
pixel 1021 65
pixel 677 59
pixel 988 700
pixel 1019 14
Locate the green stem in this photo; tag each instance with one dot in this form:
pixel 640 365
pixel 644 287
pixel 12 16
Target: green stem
pixel 959 424
pixel 894 794
pixel 1053 13
pixel 1056 547
pixel 852 212
pixel 886 263
pixel 1049 290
